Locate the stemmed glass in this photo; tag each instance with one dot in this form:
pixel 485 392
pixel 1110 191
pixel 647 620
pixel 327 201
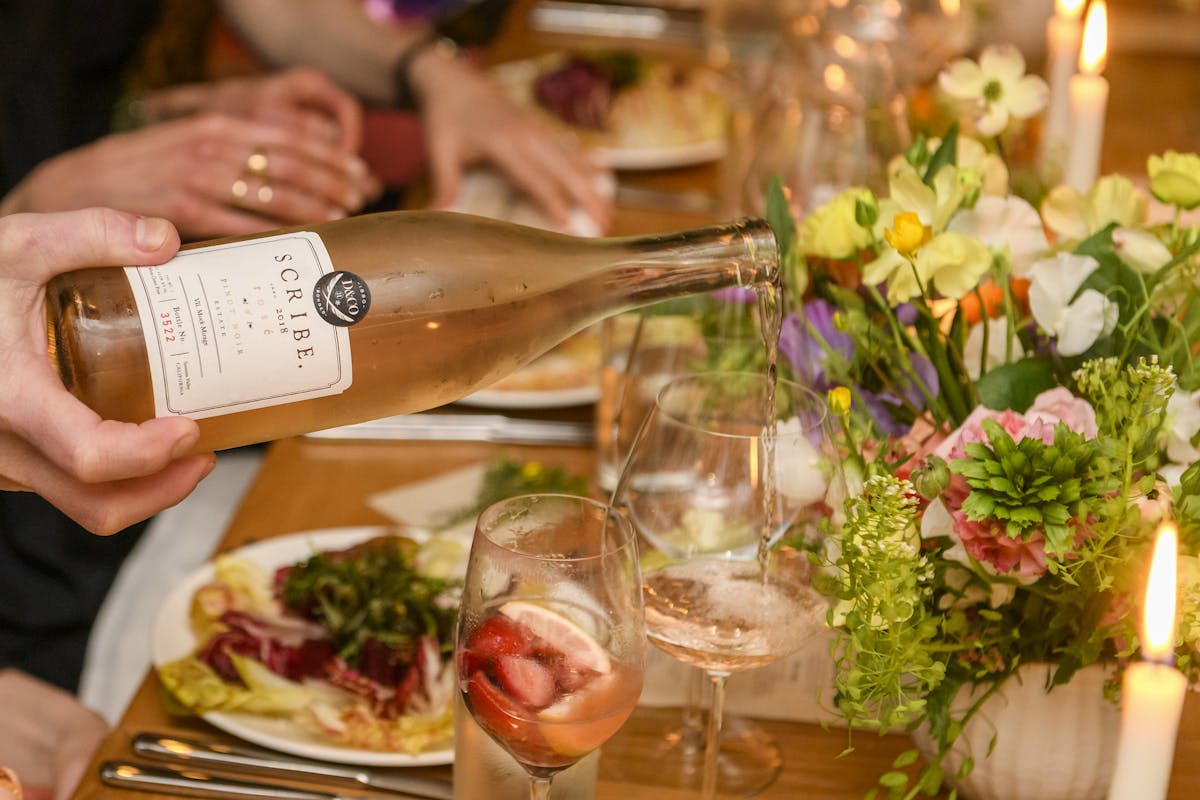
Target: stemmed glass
pixel 550 645
pixel 731 479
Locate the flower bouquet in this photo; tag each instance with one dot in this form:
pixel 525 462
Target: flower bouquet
pixel 1020 389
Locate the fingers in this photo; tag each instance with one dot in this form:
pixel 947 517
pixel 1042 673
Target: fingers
pixel 284 175
pixel 10 785
pixel 49 244
pixel 311 88
pixel 108 507
pixel 80 443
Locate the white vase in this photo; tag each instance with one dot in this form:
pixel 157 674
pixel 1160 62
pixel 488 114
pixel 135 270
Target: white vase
pixel 1055 746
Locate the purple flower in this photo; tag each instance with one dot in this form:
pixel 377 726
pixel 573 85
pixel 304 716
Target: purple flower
pixel 803 341
pixel 735 294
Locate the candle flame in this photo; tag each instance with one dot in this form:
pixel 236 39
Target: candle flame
pixel 1158 632
pixel 1094 53
pixel 1068 9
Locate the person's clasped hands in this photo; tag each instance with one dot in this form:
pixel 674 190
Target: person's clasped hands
pixel 104 474
pixel 232 157
pixel 47 739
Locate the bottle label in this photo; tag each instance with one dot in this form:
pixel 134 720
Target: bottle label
pixel 234 327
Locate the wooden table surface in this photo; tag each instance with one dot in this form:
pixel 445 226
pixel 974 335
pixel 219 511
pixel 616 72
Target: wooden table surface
pixel 306 484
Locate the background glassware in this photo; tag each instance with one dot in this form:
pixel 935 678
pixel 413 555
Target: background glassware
pixel 550 645
pixel 707 484
pixel 834 117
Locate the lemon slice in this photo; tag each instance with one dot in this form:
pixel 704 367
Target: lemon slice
pixel 561 632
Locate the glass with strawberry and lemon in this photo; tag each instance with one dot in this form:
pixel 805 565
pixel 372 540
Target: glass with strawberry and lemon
pixel 551 640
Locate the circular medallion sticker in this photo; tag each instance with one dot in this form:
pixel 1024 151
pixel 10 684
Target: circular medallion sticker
pixel 341 298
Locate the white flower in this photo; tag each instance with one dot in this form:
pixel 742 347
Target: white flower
pixel 998 341
pixel 997 86
pixel 1140 249
pixel 1183 423
pixel 1076 322
pixel 1007 225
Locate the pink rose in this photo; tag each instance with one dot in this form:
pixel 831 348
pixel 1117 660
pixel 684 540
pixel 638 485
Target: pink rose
pixel 988 543
pixel 1059 405
pixel 1049 408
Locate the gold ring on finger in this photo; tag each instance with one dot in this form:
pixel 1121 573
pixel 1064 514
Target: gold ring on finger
pixel 256 163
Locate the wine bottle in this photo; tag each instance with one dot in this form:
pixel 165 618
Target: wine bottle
pixel 308 328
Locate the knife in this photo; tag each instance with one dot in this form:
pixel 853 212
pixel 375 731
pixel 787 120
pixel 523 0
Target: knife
pixel 465 427
pixel 196 783
pixel 238 758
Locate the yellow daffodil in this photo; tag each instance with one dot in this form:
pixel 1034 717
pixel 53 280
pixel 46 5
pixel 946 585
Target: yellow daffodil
pixel 991 169
pixel 1175 178
pixel 1072 216
pixel 907 233
pixel 832 230
pixel 953 262
pixel 997 88
pixel 934 205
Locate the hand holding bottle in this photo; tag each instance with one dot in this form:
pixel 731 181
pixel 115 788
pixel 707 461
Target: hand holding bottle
pixel 103 474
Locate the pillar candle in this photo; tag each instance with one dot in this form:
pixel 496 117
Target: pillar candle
pixel 1064 33
pixel 1152 690
pixel 1088 92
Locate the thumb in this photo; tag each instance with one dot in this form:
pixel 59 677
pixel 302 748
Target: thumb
pixel 49 244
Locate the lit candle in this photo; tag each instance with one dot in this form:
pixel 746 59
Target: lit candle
pixel 1063 35
pixel 1152 692
pixel 1088 92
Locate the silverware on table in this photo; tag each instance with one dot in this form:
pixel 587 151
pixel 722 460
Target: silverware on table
pixel 695 201
pixel 616 20
pixel 240 758
pixel 197 783
pixel 465 427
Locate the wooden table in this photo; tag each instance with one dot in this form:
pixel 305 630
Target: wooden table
pixel 285 498
pixel 306 484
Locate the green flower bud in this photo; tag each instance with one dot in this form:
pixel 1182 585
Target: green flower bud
pixel 931 477
pixel 866 211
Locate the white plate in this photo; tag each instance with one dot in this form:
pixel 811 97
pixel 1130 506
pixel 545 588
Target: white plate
pixel 556 398
pixel 633 158
pixel 172 639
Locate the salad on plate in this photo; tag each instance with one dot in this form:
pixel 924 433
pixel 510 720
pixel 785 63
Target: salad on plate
pixel 353 644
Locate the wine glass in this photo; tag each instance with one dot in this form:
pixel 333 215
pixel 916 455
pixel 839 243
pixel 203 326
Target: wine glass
pixel 642 352
pixel 731 479
pixel 550 644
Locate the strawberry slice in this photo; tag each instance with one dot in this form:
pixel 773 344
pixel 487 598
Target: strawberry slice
pixel 501 717
pixel 498 636
pixel 525 680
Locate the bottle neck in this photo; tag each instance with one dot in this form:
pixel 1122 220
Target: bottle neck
pixel 701 260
